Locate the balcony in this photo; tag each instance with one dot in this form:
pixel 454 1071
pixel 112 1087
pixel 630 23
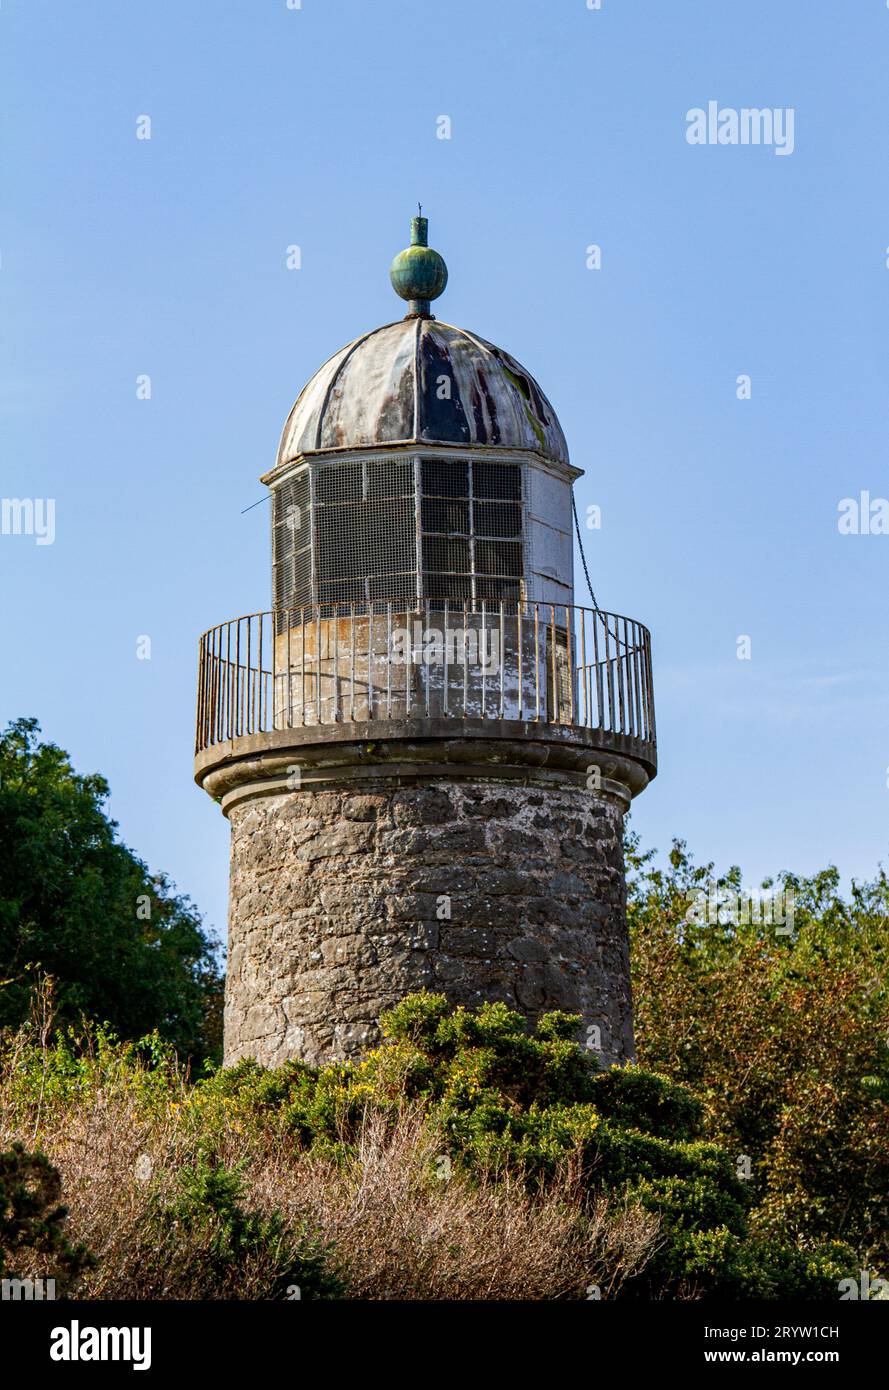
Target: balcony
pixel 429 670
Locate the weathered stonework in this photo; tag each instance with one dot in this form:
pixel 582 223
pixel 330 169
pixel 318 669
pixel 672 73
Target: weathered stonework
pixel 346 898
pixel 427 749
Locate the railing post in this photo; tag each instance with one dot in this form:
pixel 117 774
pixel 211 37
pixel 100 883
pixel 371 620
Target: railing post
pixel 619 662
pixel 352 662
pixel 609 675
pixel 409 668
pixel 260 682
pixel 317 700
pixel 502 662
pixel 217 635
pixel 234 686
pixel 480 648
pixel 537 659
pixel 583 672
pixel 289 697
pixel 241 711
pixel 519 661
pixel 445 672
pixel 568 651
pixel 388 660
pixel 336 663
pixel 370 660
pixel 637 683
pixel 198 738
pixel 248 682
pixel 302 666
pixel 465 658
pixel 425 655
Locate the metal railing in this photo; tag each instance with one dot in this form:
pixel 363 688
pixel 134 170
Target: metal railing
pixel 542 663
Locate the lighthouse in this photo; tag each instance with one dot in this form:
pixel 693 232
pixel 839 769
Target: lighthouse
pixel 425 748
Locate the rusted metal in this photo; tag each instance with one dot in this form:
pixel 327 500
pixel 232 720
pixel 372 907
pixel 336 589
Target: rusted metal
pixel 520 663
pixel 523 662
pixel 388 663
pixel 446 661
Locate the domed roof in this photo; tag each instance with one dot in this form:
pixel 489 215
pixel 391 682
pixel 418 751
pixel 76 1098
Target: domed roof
pixel 419 381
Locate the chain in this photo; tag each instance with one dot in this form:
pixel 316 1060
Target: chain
pixel 582 555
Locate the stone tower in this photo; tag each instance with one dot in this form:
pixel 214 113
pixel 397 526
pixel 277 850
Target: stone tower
pixel 425 749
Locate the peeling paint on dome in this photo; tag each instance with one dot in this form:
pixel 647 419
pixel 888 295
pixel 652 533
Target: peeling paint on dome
pixel 419 381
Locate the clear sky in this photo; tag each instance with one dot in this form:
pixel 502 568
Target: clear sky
pixel 317 127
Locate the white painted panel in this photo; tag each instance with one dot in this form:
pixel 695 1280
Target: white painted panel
pixel 549 498
pixel 544 590
pixel 551 550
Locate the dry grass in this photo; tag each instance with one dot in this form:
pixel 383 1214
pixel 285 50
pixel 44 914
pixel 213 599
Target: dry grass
pixel 397 1232
pixel 401 1235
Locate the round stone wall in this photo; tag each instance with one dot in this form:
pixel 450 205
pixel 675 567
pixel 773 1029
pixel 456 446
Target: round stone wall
pixel 345 899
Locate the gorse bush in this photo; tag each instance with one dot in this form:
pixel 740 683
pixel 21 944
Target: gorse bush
pixel 378 1178
pixel 205 1238
pixel 250 1182
pixel 503 1100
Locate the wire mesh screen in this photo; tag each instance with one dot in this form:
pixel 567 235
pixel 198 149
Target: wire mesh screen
pixel 292 542
pixel 358 532
pixel 365 531
pixel 346 533
pixel 471 530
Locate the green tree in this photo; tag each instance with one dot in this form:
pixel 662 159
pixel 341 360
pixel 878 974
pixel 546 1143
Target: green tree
pixel 77 904
pixel 783 1035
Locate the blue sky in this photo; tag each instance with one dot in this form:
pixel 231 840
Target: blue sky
pixel 317 127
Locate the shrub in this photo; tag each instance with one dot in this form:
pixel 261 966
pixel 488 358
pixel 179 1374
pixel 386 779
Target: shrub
pixel 204 1238
pixel 784 1040
pixel 264 1179
pixel 508 1100
pixel 32 1222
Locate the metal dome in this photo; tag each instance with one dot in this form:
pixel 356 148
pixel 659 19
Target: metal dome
pixel 419 381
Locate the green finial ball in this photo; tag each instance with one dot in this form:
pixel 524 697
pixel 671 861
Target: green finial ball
pixel 418 274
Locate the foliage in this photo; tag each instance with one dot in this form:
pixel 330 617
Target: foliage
pixel 206 1238
pixel 77 904
pixel 504 1100
pixel 747 1155
pixel 32 1222
pixel 782 1035
pixel 495 1106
